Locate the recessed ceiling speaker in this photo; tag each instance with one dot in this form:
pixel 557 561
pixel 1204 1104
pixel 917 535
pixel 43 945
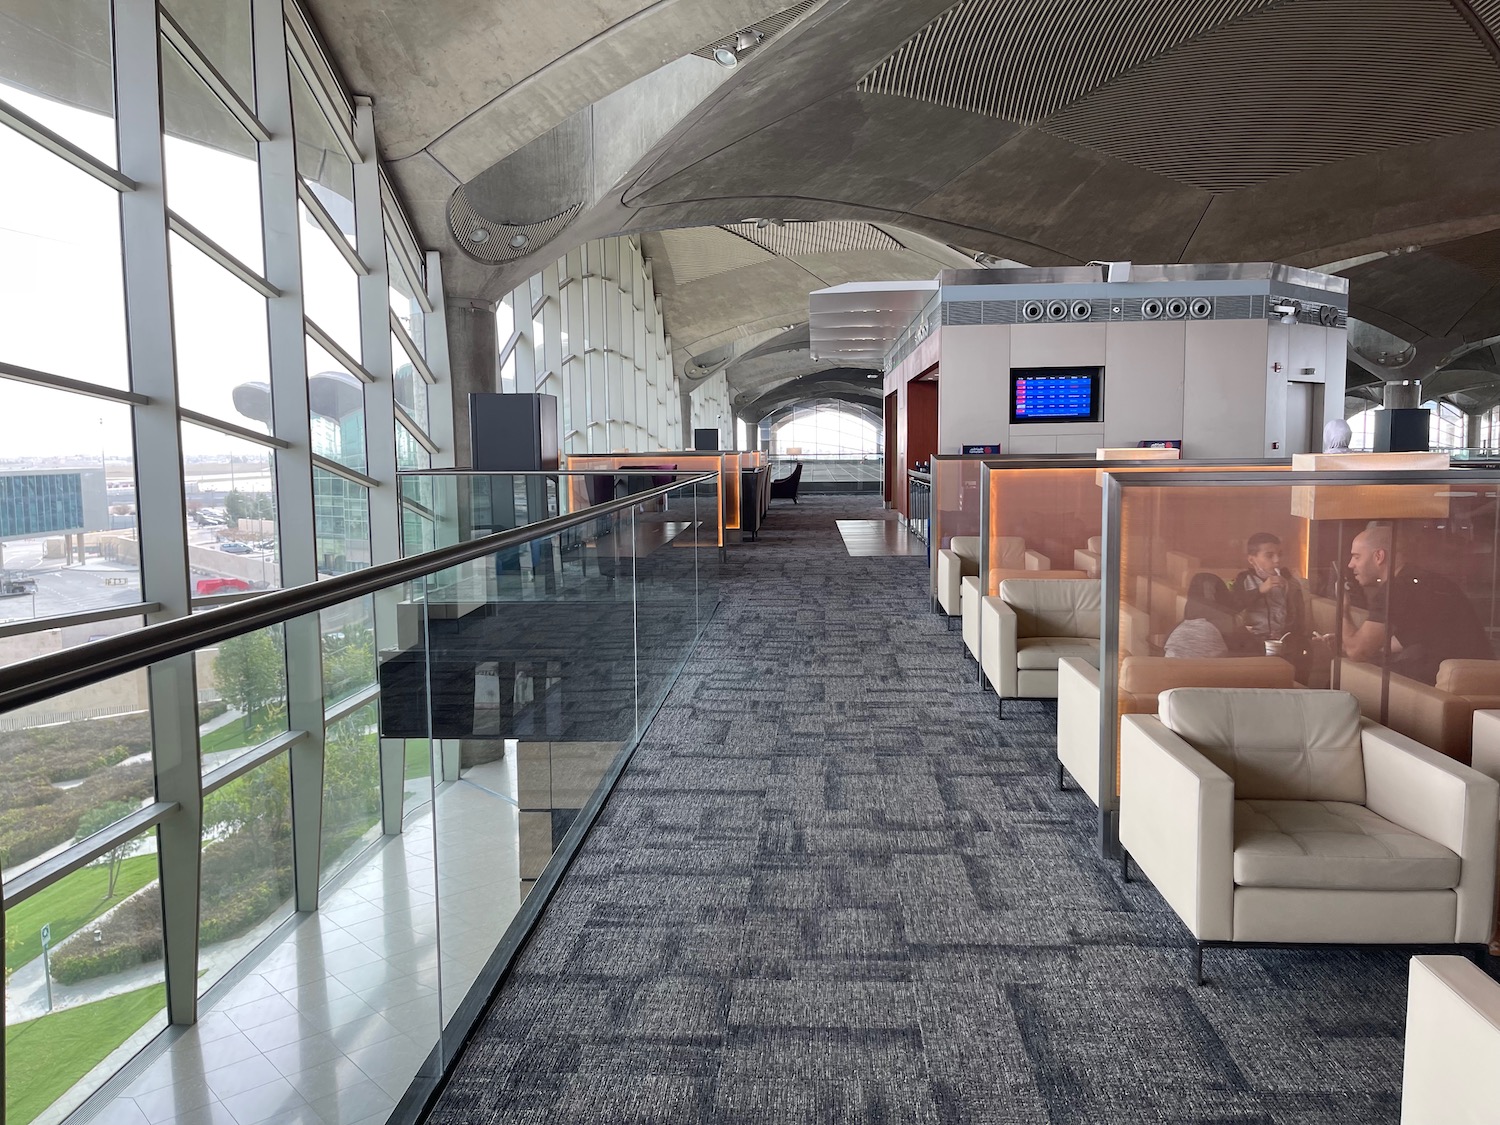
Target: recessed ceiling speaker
pixel 1032 311
pixel 1057 310
pixel 1201 308
pixel 1151 309
pixel 1176 308
pixel 1328 316
pixel 1081 310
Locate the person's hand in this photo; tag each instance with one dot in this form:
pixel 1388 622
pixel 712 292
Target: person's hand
pixel 1275 582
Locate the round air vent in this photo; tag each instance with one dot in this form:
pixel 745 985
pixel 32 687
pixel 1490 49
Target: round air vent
pixel 1201 308
pixel 1176 308
pixel 1057 310
pixel 1081 310
pixel 1032 310
pixel 1328 316
pixel 1151 309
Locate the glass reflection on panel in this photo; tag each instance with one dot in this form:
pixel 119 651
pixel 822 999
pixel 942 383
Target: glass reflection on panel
pixel 321 159
pixel 219 325
pixel 410 453
pixel 351 788
pixel 341 518
pixel 337 401
pixel 72 765
pixel 107 996
pixel 330 289
pixel 68 539
pixel 241 694
pixel 61 234
pixel 233 545
pixel 59 70
pixel 348 631
pixel 213 175
pixel 403 299
pixel 247 866
pixel 411 391
pixel 221 31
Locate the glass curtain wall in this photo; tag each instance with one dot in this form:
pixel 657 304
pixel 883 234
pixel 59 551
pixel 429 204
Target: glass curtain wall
pixel 589 330
pixel 197 240
pixel 825 430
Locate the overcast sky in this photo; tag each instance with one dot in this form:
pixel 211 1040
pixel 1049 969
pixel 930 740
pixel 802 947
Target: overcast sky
pixel 61 294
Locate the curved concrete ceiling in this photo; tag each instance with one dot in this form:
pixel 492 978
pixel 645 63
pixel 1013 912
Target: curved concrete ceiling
pixel 1313 132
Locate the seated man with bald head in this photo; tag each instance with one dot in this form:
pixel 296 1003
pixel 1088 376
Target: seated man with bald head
pixel 1428 617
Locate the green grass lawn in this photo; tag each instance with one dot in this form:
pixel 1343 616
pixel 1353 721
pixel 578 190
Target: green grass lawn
pixel 69 905
pixel 45 1056
pixel 233 736
pixel 418 757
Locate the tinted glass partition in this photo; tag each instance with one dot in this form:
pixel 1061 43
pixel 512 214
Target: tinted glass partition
pixel 1383 584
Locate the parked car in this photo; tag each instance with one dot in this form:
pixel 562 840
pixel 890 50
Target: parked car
pixel 207 586
pixel 236 548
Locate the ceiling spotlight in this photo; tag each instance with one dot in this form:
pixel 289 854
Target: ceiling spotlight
pixel 873 375
pixel 519 241
pixel 479 234
pixel 726 57
pixel 746 40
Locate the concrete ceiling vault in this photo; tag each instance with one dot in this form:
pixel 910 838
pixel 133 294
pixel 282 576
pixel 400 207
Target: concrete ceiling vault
pixel 1357 135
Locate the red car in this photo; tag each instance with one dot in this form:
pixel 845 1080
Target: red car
pixel 206 586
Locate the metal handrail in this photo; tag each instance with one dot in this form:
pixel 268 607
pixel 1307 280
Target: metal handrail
pixel 31 681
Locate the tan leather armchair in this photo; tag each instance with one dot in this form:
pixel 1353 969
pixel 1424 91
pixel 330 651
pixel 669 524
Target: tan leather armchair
pixel 1142 680
pixel 1282 816
pixel 1030 626
pixel 1452 1041
pixel 1440 715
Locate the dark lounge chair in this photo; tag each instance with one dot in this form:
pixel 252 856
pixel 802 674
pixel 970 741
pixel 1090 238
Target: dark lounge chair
pixel 786 487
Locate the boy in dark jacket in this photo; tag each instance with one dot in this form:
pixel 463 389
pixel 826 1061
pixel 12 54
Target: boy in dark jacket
pixel 1268 597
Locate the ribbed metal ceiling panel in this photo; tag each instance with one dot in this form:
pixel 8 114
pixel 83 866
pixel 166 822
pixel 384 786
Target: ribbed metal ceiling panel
pixel 1292 88
pixel 1021 60
pixel 795 239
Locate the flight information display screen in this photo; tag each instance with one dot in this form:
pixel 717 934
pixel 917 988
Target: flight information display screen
pixel 1055 394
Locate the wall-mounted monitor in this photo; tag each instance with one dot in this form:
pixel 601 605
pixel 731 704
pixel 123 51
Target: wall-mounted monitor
pixel 1056 394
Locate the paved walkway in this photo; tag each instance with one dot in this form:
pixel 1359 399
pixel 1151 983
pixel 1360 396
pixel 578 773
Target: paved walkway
pixel 833 887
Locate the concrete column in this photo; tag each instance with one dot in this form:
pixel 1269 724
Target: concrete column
pixel 1404 395
pixel 474 363
pixel 1473 431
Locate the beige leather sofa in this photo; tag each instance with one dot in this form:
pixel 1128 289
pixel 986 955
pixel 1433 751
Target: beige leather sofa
pixel 1283 816
pixel 1440 716
pixel 1451 1075
pixel 1142 679
pixel 1030 626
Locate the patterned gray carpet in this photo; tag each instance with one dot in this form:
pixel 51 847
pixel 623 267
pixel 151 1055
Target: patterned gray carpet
pixel 832 887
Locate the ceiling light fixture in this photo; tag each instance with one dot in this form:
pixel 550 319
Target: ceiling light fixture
pixel 747 40
pixel 479 234
pixel 519 241
pixel 726 57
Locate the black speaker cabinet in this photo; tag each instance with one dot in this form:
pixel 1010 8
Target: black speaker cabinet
pixel 513 433
pixel 1401 430
pixel 706 439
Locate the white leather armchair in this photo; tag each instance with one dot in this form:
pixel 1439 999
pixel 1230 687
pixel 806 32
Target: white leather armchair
pixel 1282 816
pixel 1033 624
pixel 1088 560
pixel 953 562
pixel 1487 761
pixel 1452 1042
pixel 1142 679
